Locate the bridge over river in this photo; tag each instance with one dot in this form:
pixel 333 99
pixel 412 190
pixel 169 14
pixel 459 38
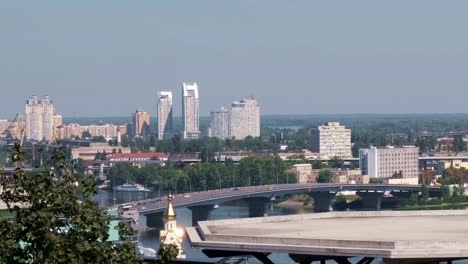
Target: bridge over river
pixel 201 203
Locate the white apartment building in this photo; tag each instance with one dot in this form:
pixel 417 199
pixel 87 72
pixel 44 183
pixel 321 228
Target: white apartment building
pixel 190 110
pixel 108 131
pixel 219 125
pixel 384 162
pixel 244 118
pixel 40 118
pixel 164 115
pixel 332 140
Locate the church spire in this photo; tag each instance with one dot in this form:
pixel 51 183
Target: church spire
pixel 169 214
pixel 171 234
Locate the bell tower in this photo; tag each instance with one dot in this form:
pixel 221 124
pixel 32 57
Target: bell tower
pixel 171 234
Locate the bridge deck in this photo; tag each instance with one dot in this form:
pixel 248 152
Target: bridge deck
pixel 219 196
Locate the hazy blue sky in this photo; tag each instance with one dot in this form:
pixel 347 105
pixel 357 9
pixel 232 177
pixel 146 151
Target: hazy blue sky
pixel 106 58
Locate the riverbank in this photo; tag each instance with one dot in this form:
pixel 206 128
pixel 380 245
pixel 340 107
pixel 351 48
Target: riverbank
pixel 442 206
pixel 296 201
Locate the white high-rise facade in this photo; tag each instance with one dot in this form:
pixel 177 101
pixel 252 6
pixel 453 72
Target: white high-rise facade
pixel 220 123
pixel 40 118
pixel 332 140
pixel 190 110
pixel 244 119
pixel 384 162
pixel 164 115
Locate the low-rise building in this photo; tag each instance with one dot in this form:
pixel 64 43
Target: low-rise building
pixel 385 162
pixel 304 173
pixel 88 153
pixel 299 155
pixel 456 164
pixel 138 159
pixel 4 124
pixel 107 131
pixel 405 181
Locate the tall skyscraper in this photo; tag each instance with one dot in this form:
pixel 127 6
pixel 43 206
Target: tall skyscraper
pixel 190 110
pixel 332 140
pixel 220 123
pixel 164 115
pixel 39 118
pixel 141 123
pixel 244 119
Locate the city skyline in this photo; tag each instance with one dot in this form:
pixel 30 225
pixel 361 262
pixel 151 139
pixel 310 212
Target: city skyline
pixel 363 57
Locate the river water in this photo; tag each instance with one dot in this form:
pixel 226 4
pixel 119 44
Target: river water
pixel 236 209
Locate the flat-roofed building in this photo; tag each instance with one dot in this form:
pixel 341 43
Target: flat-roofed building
pixel 385 162
pixel 332 140
pixel 190 110
pixel 244 118
pixel 88 153
pixel 219 123
pixel 164 115
pixel 138 159
pixel 108 131
pixel 39 118
pixel 140 123
pixel 304 173
pixel 4 124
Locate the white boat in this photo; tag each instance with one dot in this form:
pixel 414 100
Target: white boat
pixel 128 187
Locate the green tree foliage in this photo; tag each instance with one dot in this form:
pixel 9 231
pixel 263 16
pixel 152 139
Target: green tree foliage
pixel 167 254
pixel 426 143
pixel 54 219
pixel 204 176
pixel 456 176
pixel 325 176
pixel 336 162
pixel 100 139
pixel 445 190
pixel 458 144
pixel 86 135
pixel 424 194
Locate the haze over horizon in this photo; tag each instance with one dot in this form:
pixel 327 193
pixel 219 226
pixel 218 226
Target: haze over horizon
pixel 108 58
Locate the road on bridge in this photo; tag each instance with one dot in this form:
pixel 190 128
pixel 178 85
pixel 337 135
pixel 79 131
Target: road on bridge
pixel 222 195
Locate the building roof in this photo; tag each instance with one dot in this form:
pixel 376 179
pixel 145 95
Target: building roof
pixel 139 155
pixel 169 214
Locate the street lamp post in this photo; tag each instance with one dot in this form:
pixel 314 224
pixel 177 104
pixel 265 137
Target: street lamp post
pixel 175 185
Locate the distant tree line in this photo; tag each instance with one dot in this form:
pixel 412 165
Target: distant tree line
pixel 205 175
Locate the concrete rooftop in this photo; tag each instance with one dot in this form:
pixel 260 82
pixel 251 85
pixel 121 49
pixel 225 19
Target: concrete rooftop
pixel 387 234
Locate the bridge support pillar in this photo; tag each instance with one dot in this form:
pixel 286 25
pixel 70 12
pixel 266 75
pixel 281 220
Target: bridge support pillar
pixel 323 201
pixel 402 196
pixel 200 213
pixel 370 200
pixel 154 220
pixel 257 206
pixel 142 220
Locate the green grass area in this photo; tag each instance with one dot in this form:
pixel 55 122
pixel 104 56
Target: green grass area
pixel 442 206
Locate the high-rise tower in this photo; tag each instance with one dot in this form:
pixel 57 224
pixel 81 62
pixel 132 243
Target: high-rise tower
pixel 220 123
pixel 244 118
pixel 164 115
pixel 39 118
pixel 141 123
pixel 190 110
